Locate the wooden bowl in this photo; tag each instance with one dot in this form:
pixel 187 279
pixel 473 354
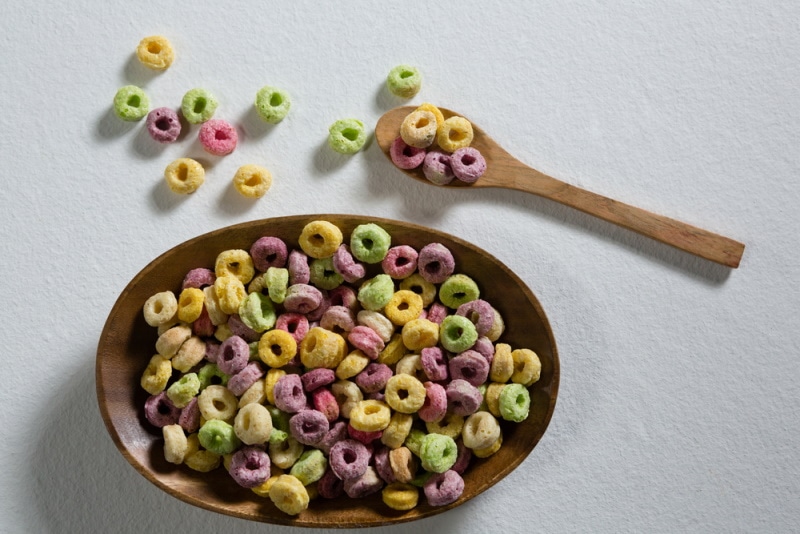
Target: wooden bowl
pixel 127 343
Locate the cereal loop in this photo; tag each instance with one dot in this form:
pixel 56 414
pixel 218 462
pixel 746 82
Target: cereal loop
pixel 156 375
pixel 419 334
pixel 272 104
pixel 347 136
pixel 400 496
pixel 252 181
pixel 456 133
pixel 322 348
pixel 370 416
pixel 404 306
pixel 502 364
pixel 230 293
pixel 351 365
pixel 190 304
pixel 527 367
pixel 396 433
pixel 369 243
pixel 276 348
pixel 216 402
pixel 175 444
pixel 235 262
pixel 289 495
pixel 320 239
pixel 404 81
pixel 198 105
pixel 253 424
pixel 418 129
pixel 419 285
pixel 160 308
pixel 131 103
pixel 155 52
pixel 405 394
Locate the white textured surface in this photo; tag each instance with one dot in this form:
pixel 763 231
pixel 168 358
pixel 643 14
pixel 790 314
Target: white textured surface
pixel 678 403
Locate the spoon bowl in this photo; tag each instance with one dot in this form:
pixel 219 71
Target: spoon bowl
pixel 127 343
pixel 505 171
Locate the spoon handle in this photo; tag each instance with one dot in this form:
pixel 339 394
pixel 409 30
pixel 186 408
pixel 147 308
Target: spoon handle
pixel 686 237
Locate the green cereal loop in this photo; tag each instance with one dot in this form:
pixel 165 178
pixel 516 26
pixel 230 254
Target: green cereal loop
pixel 277 437
pixel 198 105
pixel 310 466
pixel 184 390
pixel 218 437
pixel 272 104
pixel 280 420
pixel 457 333
pixel 376 292
pixel 458 289
pixel 347 136
pixel 414 440
pixel 370 243
pixel 131 103
pixel 257 312
pixel 276 279
pixel 323 275
pixel 404 81
pixel 208 373
pixel 437 453
pixel 515 401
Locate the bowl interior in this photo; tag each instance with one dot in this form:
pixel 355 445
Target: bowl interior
pixel 127 343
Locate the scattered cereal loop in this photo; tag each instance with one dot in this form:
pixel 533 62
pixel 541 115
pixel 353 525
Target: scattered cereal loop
pixel 184 176
pixel 404 81
pixel 155 52
pixel 272 104
pixel 347 136
pixel 131 103
pixel 252 181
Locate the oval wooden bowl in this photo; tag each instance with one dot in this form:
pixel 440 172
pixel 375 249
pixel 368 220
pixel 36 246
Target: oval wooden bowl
pixel 127 343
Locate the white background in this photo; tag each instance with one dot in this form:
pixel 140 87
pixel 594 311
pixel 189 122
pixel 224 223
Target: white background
pixel 678 403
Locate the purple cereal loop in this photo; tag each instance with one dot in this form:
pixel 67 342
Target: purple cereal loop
pixel 308 426
pixel 299 271
pixel 367 484
pixel 462 397
pixel 463 458
pixel 436 168
pixel 435 263
pixel 268 252
pixel 160 411
pixel 400 262
pixel 238 328
pixel 250 467
pixel 374 377
pixel 294 323
pixel 324 402
pixel 337 433
pixel 302 298
pixel 468 164
pixel 330 486
pixel 344 296
pixel 316 378
pixel 338 319
pixel 363 436
pixel 406 156
pixel 349 459
pixel 324 304
pixel 199 278
pixel 241 381
pixel 437 312
pixel 382 465
pixel 471 366
pixel 163 125
pixel 212 351
pixel 434 363
pixel 443 488
pixel 346 266
pixel 485 348
pixel 435 406
pixel 367 340
pixel 234 353
pixel 480 313
pixel 289 394
pixel 190 417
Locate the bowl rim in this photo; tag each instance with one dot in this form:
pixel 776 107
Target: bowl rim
pixel 282 519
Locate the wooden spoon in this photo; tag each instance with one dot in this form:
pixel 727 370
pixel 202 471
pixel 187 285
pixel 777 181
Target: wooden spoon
pixel 504 170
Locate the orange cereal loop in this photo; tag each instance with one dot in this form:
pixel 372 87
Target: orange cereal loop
pixel 527 367
pixel 235 262
pixel 320 239
pixel 404 306
pixel 190 304
pixel 184 176
pixel 456 133
pixel 171 340
pixel 155 52
pixel 252 181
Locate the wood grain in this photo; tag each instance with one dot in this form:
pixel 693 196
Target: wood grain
pixel 127 342
pixel 506 171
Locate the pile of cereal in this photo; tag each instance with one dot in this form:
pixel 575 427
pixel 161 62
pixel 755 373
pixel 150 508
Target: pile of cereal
pixel 441 146
pixel 304 376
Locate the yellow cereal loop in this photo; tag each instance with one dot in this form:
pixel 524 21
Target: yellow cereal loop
pixel 262 490
pixel 289 495
pixel 492 397
pixel 351 365
pixel 190 354
pixel 155 52
pixel 404 393
pixel 370 415
pixel 156 375
pixel 400 496
pixel 396 433
pixel 252 181
pixel 419 334
pixel 322 348
pixel 527 367
pixel 184 176
pixel 235 262
pixel 171 340
pixel 199 459
pixel 347 395
pixel 277 347
pixel 502 364
pixel 190 304
pixel 320 239
pixel 498 327
pixel 404 306
pixel 230 293
pixel 488 451
pixel 451 425
pixel 160 308
pixel 393 351
pixel 217 402
pixel 175 444
pixel 421 287
pixel 215 313
pixel 273 375
pixel 456 133
pixel 437 113
pixel 223 332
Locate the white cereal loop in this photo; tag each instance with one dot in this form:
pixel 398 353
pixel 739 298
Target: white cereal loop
pixel 160 308
pixel 378 322
pixel 217 402
pixel 213 308
pixel 480 430
pixel 175 444
pixel 192 352
pixel 170 341
pixel 253 424
pixel 285 453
